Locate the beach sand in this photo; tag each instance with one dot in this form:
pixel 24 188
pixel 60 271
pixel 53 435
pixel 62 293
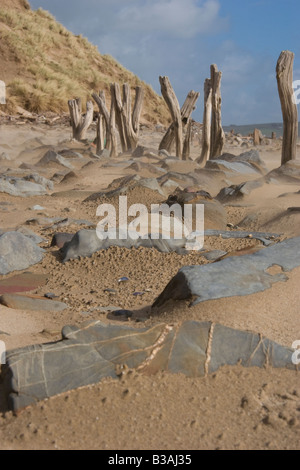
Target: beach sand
pixel 234 408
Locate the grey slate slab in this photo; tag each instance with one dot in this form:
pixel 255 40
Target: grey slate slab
pixel 87 355
pixel 18 252
pixel 233 276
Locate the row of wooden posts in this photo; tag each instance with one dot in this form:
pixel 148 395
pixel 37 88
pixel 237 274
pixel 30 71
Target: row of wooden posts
pixel 121 119
pixel 126 121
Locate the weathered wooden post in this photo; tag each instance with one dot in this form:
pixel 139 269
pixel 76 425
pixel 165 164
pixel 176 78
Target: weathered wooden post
pixel 173 105
pixel 217 133
pixel 187 141
pixel 206 130
pixel 256 137
pixel 2 92
pixel 79 123
pixel 128 124
pixel 284 75
pixel 186 111
pixel 100 142
pixel 111 141
pixel 112 124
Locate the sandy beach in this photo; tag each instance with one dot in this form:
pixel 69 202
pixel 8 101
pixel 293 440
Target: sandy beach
pixel 234 408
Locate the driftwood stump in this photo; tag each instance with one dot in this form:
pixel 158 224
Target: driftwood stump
pixel 284 75
pixel 186 111
pixel 119 117
pixel 128 124
pixel 173 105
pixel 206 130
pixel 110 128
pixel 80 123
pixel 217 133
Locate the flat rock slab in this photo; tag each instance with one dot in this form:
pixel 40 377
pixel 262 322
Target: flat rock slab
pixel 27 232
pixel 267 238
pixel 21 188
pixel 287 173
pixel 18 252
pixel 233 276
pixel 236 192
pixel 87 355
pixel 26 302
pixel 243 168
pixel 86 242
pixel 51 157
pixel 24 282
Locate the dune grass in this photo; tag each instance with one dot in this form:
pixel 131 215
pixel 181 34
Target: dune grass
pixel 53 65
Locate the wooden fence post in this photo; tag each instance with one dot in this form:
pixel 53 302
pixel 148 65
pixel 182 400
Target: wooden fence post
pixel 206 130
pixel 173 105
pixel 284 75
pixel 128 124
pixel 186 111
pixel 217 133
pixel 79 123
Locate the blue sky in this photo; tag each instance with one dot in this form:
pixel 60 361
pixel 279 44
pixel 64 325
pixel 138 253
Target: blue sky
pixel 182 38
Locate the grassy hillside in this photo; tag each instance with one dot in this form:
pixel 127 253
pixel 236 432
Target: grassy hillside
pixel 44 65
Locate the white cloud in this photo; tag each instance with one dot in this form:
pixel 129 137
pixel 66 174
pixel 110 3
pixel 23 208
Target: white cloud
pixel 177 18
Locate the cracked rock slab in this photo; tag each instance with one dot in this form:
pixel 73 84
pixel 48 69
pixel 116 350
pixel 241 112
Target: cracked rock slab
pixel 232 276
pixel 86 355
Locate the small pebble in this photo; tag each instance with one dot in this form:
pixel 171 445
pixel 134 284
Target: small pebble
pixel 50 295
pixel 37 208
pixel 123 279
pixel 122 313
pixel 111 291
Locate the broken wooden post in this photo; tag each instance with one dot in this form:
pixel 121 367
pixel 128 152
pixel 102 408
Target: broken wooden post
pixel 134 122
pixel 217 133
pixel 206 130
pixel 187 141
pixel 186 111
pixel 173 105
pixel 100 142
pixel 257 137
pixel 2 92
pixel 120 118
pixel 273 137
pixel 112 124
pixel 284 75
pixel 128 124
pixel 109 119
pixel 80 123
